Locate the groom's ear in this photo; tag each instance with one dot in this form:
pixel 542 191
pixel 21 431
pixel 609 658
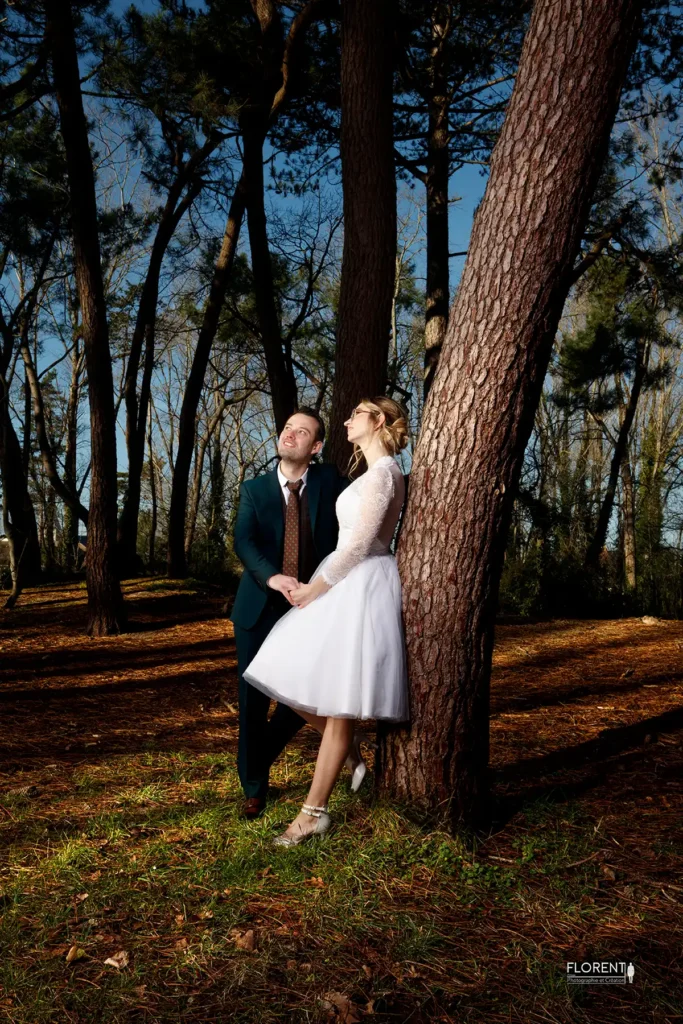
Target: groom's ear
pixel 317 447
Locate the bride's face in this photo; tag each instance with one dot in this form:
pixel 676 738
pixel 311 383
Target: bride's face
pixel 361 426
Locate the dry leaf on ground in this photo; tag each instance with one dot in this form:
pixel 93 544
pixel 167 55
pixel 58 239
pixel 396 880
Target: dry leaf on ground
pixel 341 1006
pixel 118 960
pixel 246 940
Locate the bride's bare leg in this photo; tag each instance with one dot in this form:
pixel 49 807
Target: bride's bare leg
pixel 316 721
pixel 334 749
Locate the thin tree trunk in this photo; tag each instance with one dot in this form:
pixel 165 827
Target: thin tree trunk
pixel 621 447
pixel 629 519
pixel 105 602
pixel 214 422
pixel 278 365
pixel 177 565
pixel 19 518
pixel 369 184
pixel 50 524
pixel 26 449
pixel 153 493
pixel 70 537
pixel 481 406
pixel 436 180
pixel 143 338
pixel 48 458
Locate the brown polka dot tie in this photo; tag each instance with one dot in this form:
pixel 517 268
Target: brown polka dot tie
pixel 290 558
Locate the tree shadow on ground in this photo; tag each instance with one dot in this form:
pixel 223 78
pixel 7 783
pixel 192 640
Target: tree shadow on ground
pixel 561 776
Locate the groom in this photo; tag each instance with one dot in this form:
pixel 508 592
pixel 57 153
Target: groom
pixel 286 524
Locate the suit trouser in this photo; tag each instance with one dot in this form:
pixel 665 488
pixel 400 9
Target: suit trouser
pixel 261 741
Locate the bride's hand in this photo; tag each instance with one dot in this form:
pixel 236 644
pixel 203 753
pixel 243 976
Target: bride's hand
pixel 308 592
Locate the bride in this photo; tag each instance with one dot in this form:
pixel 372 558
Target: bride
pixel 339 655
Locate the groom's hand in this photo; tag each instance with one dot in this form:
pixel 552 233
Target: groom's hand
pixel 308 592
pixel 284 584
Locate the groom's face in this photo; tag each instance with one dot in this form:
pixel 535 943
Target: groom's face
pixel 298 441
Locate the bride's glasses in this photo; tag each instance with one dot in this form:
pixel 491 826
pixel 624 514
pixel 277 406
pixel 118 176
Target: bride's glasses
pixel 359 412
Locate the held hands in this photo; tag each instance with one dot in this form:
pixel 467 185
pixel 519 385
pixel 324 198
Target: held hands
pixel 307 592
pixel 285 585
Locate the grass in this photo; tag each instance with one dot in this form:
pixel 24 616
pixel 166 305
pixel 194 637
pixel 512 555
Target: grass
pixel 119 849
pixel 404 921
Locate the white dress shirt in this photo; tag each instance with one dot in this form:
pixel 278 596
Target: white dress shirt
pixel 283 483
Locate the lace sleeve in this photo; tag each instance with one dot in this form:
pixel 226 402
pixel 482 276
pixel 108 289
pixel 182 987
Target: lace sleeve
pixel 378 490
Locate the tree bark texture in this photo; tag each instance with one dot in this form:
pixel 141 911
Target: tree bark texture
pixel 369 186
pixel 436 181
pixel 105 603
pixel 481 406
pixel 187 426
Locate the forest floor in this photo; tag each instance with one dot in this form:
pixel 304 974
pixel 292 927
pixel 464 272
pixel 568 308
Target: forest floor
pixel 131 890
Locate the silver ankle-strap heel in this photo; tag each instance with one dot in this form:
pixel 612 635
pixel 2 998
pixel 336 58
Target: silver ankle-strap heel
pixel 322 825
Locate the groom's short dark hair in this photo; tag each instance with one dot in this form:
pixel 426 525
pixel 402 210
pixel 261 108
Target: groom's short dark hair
pixel 306 411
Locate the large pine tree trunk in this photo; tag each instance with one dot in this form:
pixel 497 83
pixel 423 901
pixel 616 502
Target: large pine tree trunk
pixel 369 184
pixel 177 566
pixel 482 403
pixel 436 181
pixel 105 603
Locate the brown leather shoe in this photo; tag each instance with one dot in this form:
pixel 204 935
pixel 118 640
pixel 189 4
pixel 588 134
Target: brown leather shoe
pixel 253 807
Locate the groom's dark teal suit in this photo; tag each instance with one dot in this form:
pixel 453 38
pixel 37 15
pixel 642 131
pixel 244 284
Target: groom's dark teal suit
pixel 259 541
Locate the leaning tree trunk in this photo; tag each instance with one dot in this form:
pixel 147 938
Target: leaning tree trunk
pixel 436 181
pixel 105 603
pixel 187 427
pixel 481 407
pixel 369 184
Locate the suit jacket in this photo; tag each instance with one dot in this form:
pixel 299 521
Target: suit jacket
pixel 259 536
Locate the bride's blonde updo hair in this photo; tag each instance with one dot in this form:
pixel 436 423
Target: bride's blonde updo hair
pixel 394 431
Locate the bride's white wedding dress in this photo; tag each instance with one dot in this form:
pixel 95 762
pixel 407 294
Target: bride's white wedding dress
pixel 343 655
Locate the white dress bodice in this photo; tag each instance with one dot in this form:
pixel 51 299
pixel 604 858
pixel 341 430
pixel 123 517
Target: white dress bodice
pixel 367 512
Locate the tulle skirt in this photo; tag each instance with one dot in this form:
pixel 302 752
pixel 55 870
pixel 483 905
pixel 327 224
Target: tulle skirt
pixel 343 655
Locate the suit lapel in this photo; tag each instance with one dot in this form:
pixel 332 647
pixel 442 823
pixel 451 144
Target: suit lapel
pixel 313 488
pixel 274 510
